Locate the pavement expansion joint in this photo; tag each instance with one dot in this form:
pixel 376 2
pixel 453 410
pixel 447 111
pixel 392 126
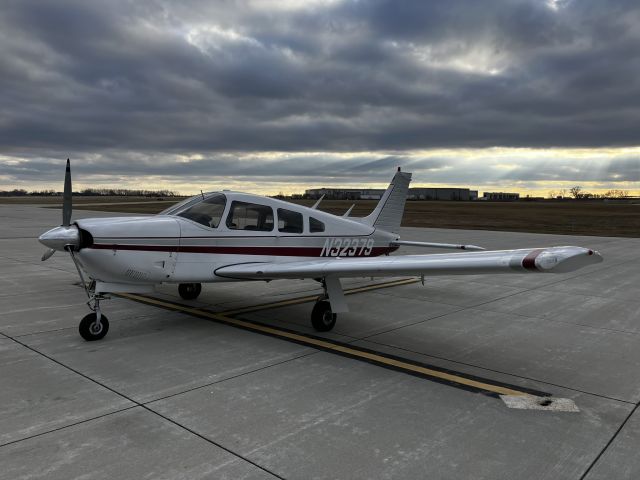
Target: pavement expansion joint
pixel 233 377
pixel 610 442
pixel 73 424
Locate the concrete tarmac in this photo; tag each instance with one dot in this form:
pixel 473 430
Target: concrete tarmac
pixel 170 395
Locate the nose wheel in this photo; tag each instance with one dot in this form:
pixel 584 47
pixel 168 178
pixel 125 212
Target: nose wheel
pixel 93 326
pixel 189 291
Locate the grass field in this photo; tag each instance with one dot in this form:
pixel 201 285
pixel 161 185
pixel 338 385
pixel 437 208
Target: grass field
pixel 567 217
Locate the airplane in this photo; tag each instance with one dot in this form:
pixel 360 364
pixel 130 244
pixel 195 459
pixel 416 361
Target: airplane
pixel 228 236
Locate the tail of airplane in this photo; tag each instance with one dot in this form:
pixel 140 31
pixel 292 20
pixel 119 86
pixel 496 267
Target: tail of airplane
pixel 388 213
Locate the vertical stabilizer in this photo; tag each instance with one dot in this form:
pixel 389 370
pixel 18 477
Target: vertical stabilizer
pixel 388 213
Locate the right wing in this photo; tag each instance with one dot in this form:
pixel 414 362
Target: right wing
pixel 545 260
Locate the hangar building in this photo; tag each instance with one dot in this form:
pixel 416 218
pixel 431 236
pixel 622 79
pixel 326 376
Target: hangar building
pixel 417 193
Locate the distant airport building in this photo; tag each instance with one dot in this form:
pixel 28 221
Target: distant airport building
pixel 345 193
pixel 418 193
pixel 500 196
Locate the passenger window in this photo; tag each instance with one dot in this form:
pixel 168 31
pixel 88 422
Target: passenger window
pixel 315 226
pixel 250 216
pixel 207 212
pixel 289 221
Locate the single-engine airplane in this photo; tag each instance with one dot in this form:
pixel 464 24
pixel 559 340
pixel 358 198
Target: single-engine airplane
pixel 231 236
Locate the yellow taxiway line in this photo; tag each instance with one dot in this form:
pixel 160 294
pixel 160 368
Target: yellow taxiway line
pixel 388 361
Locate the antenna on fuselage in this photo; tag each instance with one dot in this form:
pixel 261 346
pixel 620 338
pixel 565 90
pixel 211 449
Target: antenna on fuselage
pixel 202 193
pixel 346 214
pixel 315 205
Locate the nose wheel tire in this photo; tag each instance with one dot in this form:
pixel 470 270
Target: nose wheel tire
pixel 322 318
pixel 91 330
pixel 189 291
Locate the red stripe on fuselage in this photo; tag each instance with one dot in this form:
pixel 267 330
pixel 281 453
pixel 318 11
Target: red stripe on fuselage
pixel 268 251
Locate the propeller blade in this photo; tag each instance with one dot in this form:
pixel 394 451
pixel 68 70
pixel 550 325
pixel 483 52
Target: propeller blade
pixel 47 255
pixel 66 198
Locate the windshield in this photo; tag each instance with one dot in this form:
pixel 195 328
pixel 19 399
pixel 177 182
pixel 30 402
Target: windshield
pixel 180 205
pixel 207 212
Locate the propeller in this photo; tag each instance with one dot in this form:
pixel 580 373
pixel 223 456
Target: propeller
pixel 61 237
pixel 66 197
pixel 47 255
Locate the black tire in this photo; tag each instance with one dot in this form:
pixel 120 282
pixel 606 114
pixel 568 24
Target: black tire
pixel 88 329
pixel 189 291
pixel 322 318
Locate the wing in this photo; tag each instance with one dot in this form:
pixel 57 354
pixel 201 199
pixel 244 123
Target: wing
pixel 544 260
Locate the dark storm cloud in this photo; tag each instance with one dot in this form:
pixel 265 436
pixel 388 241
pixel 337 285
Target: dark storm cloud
pixel 162 78
pixel 326 169
pixel 292 168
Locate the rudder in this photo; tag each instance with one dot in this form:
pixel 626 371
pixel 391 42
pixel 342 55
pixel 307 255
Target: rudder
pixel 388 213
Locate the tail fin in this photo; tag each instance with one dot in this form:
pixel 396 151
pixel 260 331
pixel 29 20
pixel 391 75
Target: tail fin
pixel 388 213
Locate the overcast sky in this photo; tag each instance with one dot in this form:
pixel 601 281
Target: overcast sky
pixel 278 95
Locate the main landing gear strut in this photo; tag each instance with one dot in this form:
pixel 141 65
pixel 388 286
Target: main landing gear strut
pixel 322 317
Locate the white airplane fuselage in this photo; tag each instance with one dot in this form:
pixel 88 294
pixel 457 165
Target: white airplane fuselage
pixel 172 249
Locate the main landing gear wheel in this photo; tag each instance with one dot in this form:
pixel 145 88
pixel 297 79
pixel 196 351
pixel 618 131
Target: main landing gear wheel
pixel 91 330
pixel 322 318
pixel 189 291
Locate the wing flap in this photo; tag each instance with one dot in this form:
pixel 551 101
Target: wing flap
pixel 453 246
pixel 543 260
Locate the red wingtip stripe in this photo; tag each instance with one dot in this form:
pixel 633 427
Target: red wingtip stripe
pixel 529 262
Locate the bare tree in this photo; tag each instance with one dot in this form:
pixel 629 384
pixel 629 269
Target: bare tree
pixel 616 194
pixel 576 192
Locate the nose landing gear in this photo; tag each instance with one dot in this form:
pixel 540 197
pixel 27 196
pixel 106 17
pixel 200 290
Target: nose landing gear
pixel 94 326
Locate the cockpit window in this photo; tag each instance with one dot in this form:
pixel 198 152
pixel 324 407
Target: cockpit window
pixel 250 216
pixel 315 226
pixel 207 212
pixel 289 221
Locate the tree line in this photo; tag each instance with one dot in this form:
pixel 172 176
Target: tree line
pixel 578 193
pixel 91 192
